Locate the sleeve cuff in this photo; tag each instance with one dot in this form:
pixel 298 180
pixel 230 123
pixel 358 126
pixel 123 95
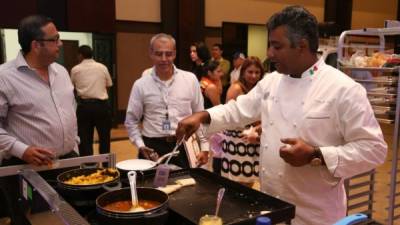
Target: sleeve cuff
pixel 18 149
pixel 205 146
pixel 139 143
pixel 331 158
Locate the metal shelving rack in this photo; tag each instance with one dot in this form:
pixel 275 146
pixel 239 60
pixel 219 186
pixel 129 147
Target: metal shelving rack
pixel 383 90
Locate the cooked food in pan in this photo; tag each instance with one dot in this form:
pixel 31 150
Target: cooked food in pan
pixel 101 176
pixel 126 205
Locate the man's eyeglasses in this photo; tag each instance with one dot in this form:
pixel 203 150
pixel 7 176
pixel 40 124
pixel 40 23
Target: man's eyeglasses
pixel 54 39
pixel 161 53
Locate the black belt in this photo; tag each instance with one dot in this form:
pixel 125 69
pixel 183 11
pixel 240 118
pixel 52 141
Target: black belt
pixel 171 138
pixel 91 100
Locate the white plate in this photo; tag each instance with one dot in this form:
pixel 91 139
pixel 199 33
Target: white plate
pixel 136 164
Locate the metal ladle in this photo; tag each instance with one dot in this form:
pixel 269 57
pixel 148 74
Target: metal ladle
pixel 135 202
pixel 221 193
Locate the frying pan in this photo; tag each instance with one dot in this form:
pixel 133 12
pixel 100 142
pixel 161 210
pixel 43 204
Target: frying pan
pixel 63 177
pixel 144 193
pixel 140 164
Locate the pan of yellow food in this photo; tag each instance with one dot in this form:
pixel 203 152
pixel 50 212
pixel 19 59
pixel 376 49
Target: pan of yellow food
pixel 88 178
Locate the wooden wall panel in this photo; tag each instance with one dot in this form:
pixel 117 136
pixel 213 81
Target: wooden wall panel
pixel 11 12
pixel 91 15
pixel 56 10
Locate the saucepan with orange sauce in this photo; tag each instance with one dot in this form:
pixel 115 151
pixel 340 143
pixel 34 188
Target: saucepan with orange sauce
pixel 117 205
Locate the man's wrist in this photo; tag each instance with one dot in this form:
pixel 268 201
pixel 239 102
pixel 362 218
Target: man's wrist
pixel 205 117
pixel 316 158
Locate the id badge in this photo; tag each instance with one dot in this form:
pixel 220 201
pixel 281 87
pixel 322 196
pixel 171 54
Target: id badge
pixel 166 125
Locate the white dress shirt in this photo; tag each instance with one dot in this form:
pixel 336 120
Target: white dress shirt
pixel 91 79
pixel 235 73
pixel 34 112
pixel 326 109
pixel 148 103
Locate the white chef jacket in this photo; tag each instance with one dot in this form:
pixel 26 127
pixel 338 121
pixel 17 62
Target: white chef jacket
pixel 325 108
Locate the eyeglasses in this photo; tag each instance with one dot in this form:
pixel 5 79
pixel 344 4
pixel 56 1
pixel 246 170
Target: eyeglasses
pixel 167 53
pixel 54 39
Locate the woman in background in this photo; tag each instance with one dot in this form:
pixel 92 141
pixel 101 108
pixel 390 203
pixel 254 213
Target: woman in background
pixel 200 55
pixel 211 87
pixel 240 160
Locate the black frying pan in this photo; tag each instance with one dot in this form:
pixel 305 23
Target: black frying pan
pixel 61 178
pixel 144 193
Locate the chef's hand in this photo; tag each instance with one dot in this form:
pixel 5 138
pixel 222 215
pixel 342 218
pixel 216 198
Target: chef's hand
pixel 251 135
pixel 296 152
pixel 189 125
pixel 202 158
pixel 148 153
pixel 38 156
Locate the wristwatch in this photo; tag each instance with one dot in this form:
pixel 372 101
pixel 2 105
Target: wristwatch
pixel 317 158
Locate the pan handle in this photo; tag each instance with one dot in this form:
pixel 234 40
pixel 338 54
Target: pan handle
pixel 115 186
pixel 90 165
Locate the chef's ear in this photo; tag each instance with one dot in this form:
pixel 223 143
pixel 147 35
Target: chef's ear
pixel 303 45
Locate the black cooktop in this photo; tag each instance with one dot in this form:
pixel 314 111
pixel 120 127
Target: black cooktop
pixel 240 205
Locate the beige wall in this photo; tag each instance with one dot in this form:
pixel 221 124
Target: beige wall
pixel 132 56
pixel 253 11
pixel 257 41
pixel 138 10
pixel 372 13
pixel 132 59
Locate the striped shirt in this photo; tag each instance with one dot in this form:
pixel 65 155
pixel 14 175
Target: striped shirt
pixel 34 112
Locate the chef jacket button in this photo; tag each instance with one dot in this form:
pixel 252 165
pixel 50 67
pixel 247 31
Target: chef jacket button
pixel 263 169
pixel 294 125
pixel 302 102
pixel 265 146
pixel 271 123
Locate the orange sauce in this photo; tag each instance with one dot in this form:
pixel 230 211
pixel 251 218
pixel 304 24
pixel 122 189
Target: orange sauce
pixel 124 206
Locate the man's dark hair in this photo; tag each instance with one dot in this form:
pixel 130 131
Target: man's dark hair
pixel 30 29
pixel 85 51
pixel 219 46
pixel 299 22
pixel 202 51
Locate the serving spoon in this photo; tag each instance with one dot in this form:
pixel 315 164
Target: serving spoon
pixel 135 203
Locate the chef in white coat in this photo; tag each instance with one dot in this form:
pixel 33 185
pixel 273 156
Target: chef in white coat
pixel 318 125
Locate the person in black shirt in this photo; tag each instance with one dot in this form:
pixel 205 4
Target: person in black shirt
pixel 200 56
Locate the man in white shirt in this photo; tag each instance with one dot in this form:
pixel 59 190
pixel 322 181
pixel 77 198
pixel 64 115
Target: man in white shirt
pixel 318 125
pixel 237 61
pixel 91 80
pixel 159 100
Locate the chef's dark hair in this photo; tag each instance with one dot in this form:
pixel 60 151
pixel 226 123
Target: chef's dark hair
pixel 30 29
pixel 299 22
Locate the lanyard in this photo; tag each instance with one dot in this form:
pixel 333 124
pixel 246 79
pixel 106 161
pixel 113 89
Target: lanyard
pixel 163 87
